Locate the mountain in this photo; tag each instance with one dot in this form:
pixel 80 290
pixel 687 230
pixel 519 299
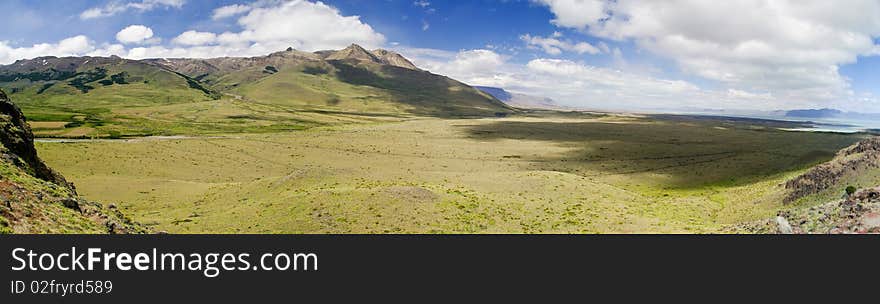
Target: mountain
pixel 112 96
pixel 832 114
pixel 814 113
pixel 499 93
pixel 37 199
pixel 523 101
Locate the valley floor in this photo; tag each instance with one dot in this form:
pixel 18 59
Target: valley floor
pixel 532 174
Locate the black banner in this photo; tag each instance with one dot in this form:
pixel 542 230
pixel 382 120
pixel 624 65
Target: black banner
pixel 332 268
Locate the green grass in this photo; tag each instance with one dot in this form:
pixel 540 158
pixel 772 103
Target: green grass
pixel 540 174
pixel 35 208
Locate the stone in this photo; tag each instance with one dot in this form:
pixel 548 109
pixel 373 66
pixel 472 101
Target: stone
pixel 870 221
pixel 71 203
pixel 783 226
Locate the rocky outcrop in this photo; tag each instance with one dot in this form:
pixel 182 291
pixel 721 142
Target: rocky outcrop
pixel 863 155
pixel 18 143
pixel 394 59
pixel 858 213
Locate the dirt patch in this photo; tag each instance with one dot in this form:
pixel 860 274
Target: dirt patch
pixel 42 125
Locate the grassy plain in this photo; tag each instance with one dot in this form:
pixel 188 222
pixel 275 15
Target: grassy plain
pixel 539 173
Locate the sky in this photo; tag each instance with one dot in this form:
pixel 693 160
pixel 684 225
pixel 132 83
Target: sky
pixel 672 55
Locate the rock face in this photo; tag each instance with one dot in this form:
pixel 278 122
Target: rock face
pixel 18 140
pixel 858 213
pixel 863 155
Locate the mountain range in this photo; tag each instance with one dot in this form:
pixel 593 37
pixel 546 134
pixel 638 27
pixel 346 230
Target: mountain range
pixel 523 101
pixel 103 92
pixel 831 113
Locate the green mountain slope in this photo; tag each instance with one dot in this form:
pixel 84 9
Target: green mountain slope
pixel 112 97
pixel 85 95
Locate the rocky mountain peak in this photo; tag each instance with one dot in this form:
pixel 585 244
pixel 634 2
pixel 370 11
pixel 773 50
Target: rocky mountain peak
pixel 379 56
pixel 355 52
pixel 395 59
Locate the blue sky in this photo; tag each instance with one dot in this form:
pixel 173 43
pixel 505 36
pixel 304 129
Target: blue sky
pixel 618 55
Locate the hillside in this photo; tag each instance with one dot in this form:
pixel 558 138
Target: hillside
pixel 838 196
pixel 74 97
pixel 351 80
pixel 36 199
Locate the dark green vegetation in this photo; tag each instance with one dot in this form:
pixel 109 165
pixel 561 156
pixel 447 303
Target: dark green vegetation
pixel 89 97
pixel 690 152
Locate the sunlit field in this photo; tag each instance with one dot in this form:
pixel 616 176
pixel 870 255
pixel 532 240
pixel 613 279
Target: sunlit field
pixel 543 172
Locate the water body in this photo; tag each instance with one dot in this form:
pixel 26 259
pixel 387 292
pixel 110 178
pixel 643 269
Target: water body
pixel 839 125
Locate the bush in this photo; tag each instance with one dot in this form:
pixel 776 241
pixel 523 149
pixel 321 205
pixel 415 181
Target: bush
pixel 850 190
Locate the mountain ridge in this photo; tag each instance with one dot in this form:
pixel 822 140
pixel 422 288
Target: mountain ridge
pixel 96 96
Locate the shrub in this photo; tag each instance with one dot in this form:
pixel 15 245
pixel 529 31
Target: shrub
pixel 850 190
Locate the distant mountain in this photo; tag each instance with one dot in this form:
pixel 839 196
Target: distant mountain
pixel 523 101
pixel 814 113
pixel 831 114
pixel 499 93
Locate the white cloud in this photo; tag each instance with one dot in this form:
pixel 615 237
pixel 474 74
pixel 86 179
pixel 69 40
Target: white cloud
pixel 136 34
pixel 576 13
pixel 554 45
pixel 116 7
pixel 792 48
pixel 269 26
pixel 230 10
pixel 581 85
pixel 107 50
pixel 422 3
pixel 67 47
pixel 195 38
pixel 306 25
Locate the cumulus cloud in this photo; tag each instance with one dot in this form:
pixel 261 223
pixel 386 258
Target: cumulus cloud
pixel 136 34
pixel 268 26
pixel 576 13
pixel 555 45
pixel 116 7
pixel 306 25
pixel 67 47
pixel 792 48
pixel 195 38
pixel 230 11
pixel 582 85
